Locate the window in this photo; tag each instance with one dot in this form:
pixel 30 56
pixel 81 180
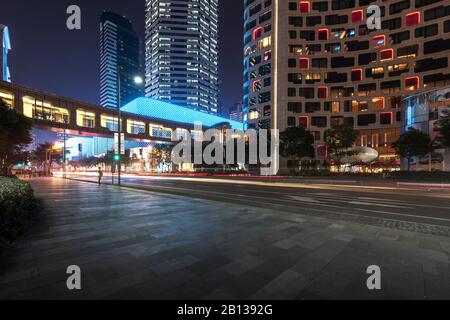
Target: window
pixel 320 63
pixel 44 110
pixel 292 34
pixel 109 122
pixel 296 21
pixel 291 121
pixel 292 6
pixel 427 31
pixel 323 34
pixel 305 7
pixel 386 118
pixel 408 52
pixel 357 16
pixel 322 92
pixel 366 119
pixel 304 63
pixel 360 106
pixel 320 122
pixel 399 37
pixel 357 75
pixel 412 83
pixel 379 41
pixel 135 127
pixel 295 107
pixel 311 107
pixel 292 63
pixel 399 7
pixel 387 54
pixel 335 107
pixel 412 19
pixel 292 92
pixel 85 118
pixel 8 98
pixel 256 85
pixel 378 103
pixel 320 6
pixel 313 21
pixel 257 33
pixel 303 122
pixel 307 93
pixel 265 42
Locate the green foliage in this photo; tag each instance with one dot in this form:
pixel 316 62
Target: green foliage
pixel 297 142
pixel 413 143
pixel 160 155
pixel 443 127
pixel 18 208
pixel 14 137
pixel 339 140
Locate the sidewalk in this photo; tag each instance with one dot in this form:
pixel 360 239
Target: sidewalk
pixel 138 244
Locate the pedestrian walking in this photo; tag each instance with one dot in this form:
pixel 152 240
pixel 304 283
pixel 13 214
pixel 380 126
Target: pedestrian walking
pixel 100 175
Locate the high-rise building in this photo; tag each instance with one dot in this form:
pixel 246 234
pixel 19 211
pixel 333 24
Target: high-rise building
pixel 236 113
pixel 181 52
pixel 6 46
pixel 119 56
pixel 317 64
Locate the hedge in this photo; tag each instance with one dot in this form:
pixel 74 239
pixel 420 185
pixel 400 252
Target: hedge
pixel 19 209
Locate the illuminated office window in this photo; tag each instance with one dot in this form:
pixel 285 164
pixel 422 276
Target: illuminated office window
pixel 85 118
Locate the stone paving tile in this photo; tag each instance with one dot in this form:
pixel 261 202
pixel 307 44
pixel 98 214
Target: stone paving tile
pixel 137 244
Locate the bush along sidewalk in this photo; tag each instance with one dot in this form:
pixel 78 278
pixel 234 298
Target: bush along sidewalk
pixel 19 209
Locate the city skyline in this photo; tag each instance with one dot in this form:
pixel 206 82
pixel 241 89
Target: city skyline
pixel 181 53
pixel 75 53
pixel 119 61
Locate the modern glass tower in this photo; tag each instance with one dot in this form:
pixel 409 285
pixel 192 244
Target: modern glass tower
pixel 181 52
pixel 119 56
pixel 6 46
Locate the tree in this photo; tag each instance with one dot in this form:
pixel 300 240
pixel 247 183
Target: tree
pixel 14 137
pixel 339 140
pixel 297 142
pixel 160 155
pixel 443 127
pixel 413 143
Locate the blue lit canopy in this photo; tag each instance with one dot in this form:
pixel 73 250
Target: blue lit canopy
pixel 170 112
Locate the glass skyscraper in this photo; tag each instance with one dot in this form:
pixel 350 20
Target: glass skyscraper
pixel 181 52
pixel 119 55
pixel 6 46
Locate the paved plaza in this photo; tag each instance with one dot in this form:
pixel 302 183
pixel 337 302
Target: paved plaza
pixel 133 243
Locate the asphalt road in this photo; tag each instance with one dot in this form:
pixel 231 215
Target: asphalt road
pixel 348 201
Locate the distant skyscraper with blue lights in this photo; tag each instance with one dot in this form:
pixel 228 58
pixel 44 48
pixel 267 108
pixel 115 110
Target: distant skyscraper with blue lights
pixel 181 52
pixel 6 46
pixel 119 55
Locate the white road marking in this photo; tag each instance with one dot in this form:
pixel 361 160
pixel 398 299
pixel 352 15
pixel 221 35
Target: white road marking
pixel 304 199
pixel 402 214
pixel 378 204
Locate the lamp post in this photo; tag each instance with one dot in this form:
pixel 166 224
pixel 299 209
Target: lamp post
pixel 137 80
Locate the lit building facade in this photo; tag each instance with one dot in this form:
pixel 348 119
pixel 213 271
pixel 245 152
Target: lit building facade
pixel 236 112
pixel 181 53
pixel 6 46
pixel 119 55
pixel 317 64
pixel 421 112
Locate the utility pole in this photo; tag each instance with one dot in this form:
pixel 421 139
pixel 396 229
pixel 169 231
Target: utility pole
pixel 119 152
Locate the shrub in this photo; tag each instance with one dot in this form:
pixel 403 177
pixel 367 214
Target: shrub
pixel 19 208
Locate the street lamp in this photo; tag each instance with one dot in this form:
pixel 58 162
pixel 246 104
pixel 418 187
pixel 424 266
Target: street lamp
pixel 137 80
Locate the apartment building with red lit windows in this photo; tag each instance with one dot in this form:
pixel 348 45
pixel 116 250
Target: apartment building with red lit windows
pixel 317 64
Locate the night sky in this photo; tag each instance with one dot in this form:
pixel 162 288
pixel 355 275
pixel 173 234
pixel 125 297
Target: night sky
pixel 48 56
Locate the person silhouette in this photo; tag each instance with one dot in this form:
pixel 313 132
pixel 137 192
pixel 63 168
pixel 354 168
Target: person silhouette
pixel 100 175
